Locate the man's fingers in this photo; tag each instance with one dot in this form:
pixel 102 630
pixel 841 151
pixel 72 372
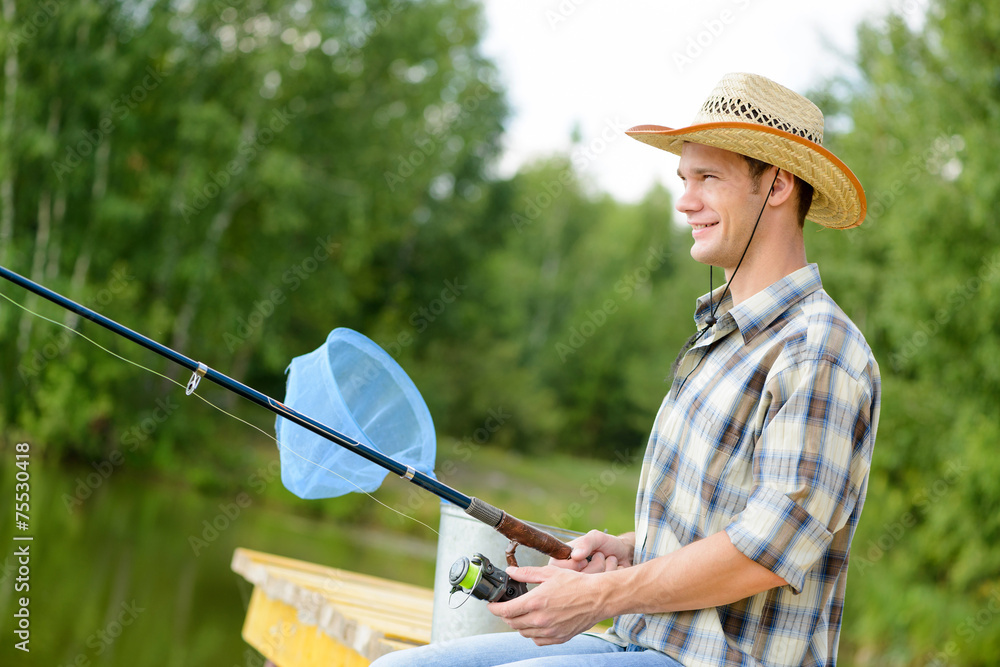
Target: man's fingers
pixel 596 564
pixel 528 575
pixel 585 545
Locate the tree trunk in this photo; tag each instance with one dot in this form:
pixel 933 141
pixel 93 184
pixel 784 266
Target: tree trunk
pixel 10 72
pixel 101 161
pixel 43 234
pixel 55 246
pixel 548 276
pixel 7 153
pixel 37 267
pixel 209 258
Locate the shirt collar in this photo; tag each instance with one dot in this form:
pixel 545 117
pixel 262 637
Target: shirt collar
pixel 759 311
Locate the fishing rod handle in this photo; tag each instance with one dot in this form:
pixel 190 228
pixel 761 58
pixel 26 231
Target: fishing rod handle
pixel 518 531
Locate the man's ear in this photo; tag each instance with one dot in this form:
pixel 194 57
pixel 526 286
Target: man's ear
pixel 782 189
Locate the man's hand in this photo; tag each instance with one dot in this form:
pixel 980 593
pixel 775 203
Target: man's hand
pixel 572 597
pixel 605 553
pixel 561 607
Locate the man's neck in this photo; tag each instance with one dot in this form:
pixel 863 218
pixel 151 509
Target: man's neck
pixel 761 272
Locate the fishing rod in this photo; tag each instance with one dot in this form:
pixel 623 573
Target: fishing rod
pixel 517 531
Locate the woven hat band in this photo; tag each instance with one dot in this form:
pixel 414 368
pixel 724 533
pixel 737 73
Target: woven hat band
pixel 749 98
pixel 720 109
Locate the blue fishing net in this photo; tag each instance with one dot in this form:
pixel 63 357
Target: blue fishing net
pixel 353 386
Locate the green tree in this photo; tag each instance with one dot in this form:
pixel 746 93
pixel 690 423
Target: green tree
pixel 232 179
pixel 922 279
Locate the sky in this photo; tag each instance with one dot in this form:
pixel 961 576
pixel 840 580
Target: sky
pixel 606 66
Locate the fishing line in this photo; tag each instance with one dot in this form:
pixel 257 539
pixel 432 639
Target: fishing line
pixel 222 410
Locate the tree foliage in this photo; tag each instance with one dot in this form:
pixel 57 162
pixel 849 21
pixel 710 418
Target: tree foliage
pixel 237 180
pixel 233 180
pixel 923 278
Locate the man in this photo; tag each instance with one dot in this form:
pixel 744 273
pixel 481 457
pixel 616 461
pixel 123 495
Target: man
pixel 757 466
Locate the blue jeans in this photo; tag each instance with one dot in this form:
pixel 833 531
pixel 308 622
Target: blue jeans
pixel 510 648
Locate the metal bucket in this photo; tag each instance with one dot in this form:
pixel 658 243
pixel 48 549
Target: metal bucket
pixel 461 535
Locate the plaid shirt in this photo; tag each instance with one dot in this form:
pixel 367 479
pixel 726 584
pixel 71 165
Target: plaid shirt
pixel 767 433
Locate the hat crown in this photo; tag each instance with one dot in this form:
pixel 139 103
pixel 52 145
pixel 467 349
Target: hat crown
pixel 751 98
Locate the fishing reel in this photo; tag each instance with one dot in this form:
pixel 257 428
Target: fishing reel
pixel 479 578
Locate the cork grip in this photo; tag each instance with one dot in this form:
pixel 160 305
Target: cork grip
pixel 517 531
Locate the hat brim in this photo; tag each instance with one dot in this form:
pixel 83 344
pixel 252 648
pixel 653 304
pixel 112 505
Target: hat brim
pixel 838 198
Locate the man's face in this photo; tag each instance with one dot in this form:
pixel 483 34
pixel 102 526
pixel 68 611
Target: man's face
pixel 719 203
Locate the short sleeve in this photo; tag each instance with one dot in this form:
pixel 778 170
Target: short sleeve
pixel 810 466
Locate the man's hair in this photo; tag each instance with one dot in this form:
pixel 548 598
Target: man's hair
pixel 757 169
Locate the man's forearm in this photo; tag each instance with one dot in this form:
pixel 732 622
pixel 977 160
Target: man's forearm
pixel 706 573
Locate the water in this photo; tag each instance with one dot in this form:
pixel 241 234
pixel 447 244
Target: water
pixel 138 572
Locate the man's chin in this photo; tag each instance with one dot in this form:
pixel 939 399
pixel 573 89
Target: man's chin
pixel 701 254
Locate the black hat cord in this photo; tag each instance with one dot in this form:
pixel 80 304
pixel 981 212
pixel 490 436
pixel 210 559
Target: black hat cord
pixel 711 319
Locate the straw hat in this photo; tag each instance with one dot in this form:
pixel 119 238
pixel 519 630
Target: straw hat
pixel 754 116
